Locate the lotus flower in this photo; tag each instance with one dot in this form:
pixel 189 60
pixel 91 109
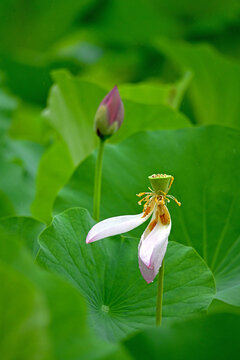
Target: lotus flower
pixel 153 243
pixel 109 115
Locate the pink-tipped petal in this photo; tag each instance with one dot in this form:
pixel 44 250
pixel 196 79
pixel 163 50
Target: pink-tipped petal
pixel 114 226
pixel 109 115
pixel 114 104
pixel 151 250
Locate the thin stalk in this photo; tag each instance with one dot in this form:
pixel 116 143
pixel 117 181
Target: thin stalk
pixel 98 181
pixel 180 89
pixel 160 295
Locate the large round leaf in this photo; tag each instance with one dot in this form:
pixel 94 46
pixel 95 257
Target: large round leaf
pixel 23 318
pixel 205 163
pixel 107 274
pixel 23 228
pixel 212 337
pixel 47 311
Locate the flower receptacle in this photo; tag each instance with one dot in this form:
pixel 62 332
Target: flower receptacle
pixel 161 182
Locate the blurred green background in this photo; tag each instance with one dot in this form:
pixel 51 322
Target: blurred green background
pixel 177 65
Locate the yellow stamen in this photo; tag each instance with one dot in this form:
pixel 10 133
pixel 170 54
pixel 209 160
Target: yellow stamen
pixel 153 198
pixel 143 199
pixel 173 198
pixel 141 194
pixel 170 183
pixel 178 202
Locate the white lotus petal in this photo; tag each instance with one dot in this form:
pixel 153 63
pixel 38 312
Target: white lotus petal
pixel 151 250
pixel 114 226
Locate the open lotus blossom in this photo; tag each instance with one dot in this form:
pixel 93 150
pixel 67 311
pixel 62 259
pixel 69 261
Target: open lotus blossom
pixel 154 240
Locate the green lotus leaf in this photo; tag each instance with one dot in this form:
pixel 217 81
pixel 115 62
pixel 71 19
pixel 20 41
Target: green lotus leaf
pixel 107 274
pixel 215 84
pixel 205 164
pixel 215 336
pixel 25 229
pixel 41 316
pixel 23 318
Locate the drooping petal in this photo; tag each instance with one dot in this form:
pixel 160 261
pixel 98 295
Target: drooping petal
pixel 114 226
pixel 151 250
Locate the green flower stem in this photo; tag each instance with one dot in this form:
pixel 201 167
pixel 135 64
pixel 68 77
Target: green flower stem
pixel 181 88
pixel 160 183
pixel 160 295
pixel 98 181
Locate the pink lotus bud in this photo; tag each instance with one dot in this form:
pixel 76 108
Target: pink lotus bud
pixel 109 115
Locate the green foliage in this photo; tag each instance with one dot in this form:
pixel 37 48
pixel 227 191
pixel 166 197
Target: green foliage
pixel 208 218
pixel 72 106
pixel 157 93
pixel 23 317
pixel 18 163
pixel 29 34
pixel 25 229
pixel 210 337
pixel 7 106
pixel 71 110
pixel 176 65
pixel 29 124
pixel 98 271
pixel 55 168
pixel 215 85
pixel 48 310
pixel 172 19
pixel 6 207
